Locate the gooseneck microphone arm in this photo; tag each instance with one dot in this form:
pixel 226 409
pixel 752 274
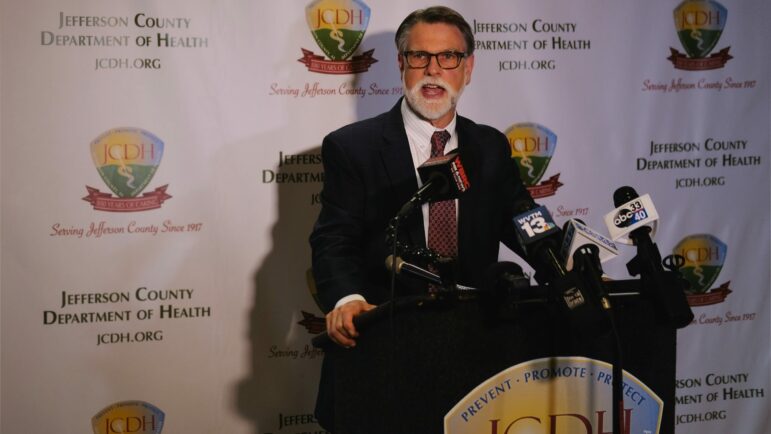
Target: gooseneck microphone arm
pixel 436 183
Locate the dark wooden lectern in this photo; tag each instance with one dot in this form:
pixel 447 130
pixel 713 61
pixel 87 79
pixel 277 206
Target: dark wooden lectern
pixel 415 361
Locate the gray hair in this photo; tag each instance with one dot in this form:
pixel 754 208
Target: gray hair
pixel 432 15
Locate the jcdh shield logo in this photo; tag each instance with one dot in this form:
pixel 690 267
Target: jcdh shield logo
pixel 126 159
pixel 338 26
pixel 704 258
pixel 137 417
pixel 532 146
pixel 699 24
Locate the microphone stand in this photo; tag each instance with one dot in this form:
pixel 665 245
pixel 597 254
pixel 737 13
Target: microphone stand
pixel 394 234
pixel 586 262
pixel 436 183
pixel 665 287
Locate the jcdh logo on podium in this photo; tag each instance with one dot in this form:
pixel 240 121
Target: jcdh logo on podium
pixel 129 417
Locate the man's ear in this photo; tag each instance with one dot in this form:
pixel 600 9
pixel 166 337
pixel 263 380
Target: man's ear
pixel 469 68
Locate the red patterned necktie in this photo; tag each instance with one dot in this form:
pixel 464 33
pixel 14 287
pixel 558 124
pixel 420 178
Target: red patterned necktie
pixel 442 221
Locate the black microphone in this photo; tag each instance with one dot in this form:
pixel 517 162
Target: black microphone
pixel 586 262
pixel 596 318
pixel 648 259
pixel 666 288
pixel 577 234
pixel 399 266
pixel 540 238
pixel 443 178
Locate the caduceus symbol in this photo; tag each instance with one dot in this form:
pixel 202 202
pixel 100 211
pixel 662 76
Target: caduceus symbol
pixel 690 20
pixel 698 271
pixel 525 160
pixel 126 172
pixel 337 35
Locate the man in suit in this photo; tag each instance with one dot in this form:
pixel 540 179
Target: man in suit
pixel 370 172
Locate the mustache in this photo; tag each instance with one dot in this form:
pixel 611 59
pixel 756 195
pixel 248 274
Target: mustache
pixel 434 81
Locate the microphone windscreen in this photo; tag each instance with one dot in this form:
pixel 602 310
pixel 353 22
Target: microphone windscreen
pixel 623 195
pixel 392 264
pixel 450 169
pixel 441 185
pixel 566 225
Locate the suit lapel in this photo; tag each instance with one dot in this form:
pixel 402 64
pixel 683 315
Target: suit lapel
pixel 468 149
pixel 400 170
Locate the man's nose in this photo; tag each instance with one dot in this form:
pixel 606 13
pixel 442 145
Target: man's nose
pixel 433 67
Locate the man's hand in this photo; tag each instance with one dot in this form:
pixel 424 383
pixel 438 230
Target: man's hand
pixel 340 322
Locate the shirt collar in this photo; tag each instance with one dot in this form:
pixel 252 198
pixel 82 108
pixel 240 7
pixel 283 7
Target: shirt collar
pixel 422 128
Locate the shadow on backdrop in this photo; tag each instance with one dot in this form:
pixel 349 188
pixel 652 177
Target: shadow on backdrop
pixel 384 74
pixel 282 294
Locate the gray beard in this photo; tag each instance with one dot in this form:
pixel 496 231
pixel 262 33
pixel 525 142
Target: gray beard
pixel 429 110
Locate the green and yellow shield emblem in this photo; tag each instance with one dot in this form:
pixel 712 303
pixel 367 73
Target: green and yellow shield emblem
pixel 127 159
pixel 338 26
pixel 699 24
pixel 704 258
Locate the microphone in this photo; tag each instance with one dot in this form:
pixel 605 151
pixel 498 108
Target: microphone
pixel 631 217
pixel 587 270
pixel 666 288
pixel 586 262
pixel 632 213
pixel 537 234
pixel 398 265
pixel 443 178
pixel 577 234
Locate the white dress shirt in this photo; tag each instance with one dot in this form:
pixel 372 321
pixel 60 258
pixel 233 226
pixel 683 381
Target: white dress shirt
pixel 419 134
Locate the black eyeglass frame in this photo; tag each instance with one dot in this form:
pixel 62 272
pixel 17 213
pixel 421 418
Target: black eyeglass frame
pixel 459 54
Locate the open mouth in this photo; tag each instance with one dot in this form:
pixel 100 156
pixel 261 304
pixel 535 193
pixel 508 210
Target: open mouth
pixel 432 91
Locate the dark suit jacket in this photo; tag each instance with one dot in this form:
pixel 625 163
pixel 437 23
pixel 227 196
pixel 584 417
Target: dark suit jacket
pixel 369 175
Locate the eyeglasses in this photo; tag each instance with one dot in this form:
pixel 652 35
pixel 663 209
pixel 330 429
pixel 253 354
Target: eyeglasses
pixel 445 59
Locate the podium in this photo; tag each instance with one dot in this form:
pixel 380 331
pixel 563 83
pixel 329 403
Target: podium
pixel 415 359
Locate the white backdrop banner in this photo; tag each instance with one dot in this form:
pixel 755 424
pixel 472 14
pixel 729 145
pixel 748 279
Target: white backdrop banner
pixel 161 171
